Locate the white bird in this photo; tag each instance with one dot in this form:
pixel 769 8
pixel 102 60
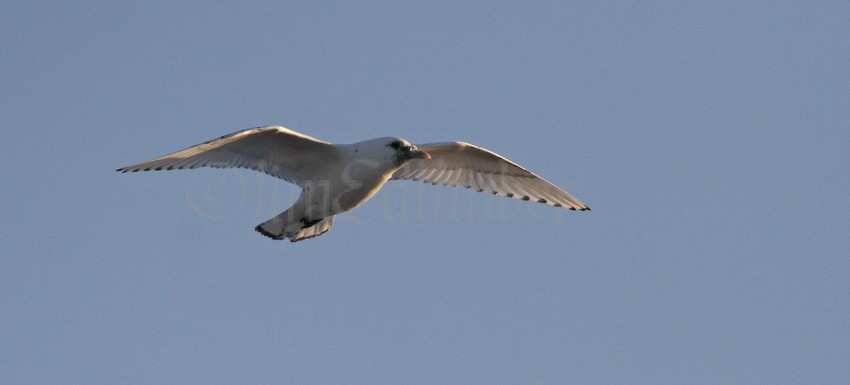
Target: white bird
pixel 338 178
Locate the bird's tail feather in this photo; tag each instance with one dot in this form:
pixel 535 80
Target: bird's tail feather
pixel 282 227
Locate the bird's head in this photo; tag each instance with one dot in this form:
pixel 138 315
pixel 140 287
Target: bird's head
pixel 405 151
pixel 398 150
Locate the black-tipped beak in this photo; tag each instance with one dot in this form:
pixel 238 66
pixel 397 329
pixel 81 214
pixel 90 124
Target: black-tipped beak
pixel 412 153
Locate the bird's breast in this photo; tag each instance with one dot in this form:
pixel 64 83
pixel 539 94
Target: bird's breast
pixel 347 187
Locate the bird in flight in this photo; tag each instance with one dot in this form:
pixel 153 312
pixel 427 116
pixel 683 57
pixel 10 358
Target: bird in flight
pixel 336 178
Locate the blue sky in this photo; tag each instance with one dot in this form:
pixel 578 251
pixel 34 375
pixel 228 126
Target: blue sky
pixel 710 139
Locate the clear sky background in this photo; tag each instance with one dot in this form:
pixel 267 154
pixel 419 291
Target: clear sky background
pixel 711 139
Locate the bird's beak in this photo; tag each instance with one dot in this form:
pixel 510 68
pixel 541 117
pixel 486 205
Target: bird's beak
pixel 413 153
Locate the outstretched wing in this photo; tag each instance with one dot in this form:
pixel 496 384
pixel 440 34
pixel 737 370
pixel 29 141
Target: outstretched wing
pixel 274 150
pixel 463 164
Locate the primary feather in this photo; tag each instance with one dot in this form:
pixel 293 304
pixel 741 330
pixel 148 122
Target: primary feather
pixel 274 150
pixel 460 164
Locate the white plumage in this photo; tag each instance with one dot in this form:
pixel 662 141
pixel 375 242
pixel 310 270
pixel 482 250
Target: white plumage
pixel 460 164
pixel 338 178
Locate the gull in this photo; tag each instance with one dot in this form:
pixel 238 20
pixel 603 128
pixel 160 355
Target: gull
pixel 336 178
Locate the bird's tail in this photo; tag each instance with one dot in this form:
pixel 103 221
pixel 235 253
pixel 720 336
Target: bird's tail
pixel 282 227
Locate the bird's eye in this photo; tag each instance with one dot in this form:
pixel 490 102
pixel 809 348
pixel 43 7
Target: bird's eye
pixel 396 144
